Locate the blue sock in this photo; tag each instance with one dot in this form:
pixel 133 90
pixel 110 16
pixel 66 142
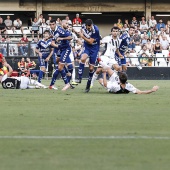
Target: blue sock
pixel 63 74
pixel 40 76
pixel 90 77
pixel 54 78
pixel 81 70
pixel 70 69
pixel 65 69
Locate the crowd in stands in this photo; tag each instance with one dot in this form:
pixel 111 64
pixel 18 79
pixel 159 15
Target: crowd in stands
pixel 151 37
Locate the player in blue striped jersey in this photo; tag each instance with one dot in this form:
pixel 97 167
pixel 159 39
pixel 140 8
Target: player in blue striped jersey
pixel 45 51
pixel 63 37
pixel 120 54
pixel 91 36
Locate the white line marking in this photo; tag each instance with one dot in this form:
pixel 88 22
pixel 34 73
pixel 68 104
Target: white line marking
pixel 86 137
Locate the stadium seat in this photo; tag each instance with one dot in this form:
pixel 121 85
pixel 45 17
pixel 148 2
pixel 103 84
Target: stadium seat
pixel 26 31
pixel 137 48
pixel 10 32
pixel 161 61
pixel 133 59
pixel 18 32
pixel 165 53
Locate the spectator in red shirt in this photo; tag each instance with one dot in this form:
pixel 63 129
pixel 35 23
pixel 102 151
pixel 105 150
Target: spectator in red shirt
pixel 77 19
pixel 24 38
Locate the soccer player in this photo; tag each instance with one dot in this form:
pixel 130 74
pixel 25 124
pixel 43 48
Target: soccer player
pixel 62 35
pixel 22 82
pixel 120 54
pixel 122 86
pixel 91 36
pixel 107 59
pixel 45 51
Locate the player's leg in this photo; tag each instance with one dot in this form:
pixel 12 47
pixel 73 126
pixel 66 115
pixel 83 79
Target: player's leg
pixel 24 82
pixel 104 62
pixel 64 57
pixel 84 56
pixel 42 64
pixel 123 63
pixel 36 84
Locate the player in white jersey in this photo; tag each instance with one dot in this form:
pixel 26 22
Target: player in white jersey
pixel 74 40
pixel 107 59
pixel 22 82
pixel 122 86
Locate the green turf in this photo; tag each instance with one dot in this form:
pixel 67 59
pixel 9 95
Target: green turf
pixel 43 112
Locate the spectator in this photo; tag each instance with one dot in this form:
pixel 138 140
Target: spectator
pixel 142 20
pixel 58 21
pixel 8 23
pixel 153 41
pixel 127 23
pixel 43 26
pixel 2 46
pixel 152 22
pixel 144 39
pixel 157 47
pixel 144 56
pixel 151 32
pixel 125 28
pixel 77 19
pixel 30 65
pixel 131 45
pixel 68 20
pixel 35 27
pixel 168 27
pixel 40 18
pixel 22 69
pixel 137 38
pixel 149 46
pixel 143 27
pixel 2 26
pixel 48 21
pixel 134 22
pixel 77 26
pixel 119 24
pixel 33 46
pixel 17 24
pixel 160 25
pixel 164 43
pixel 161 32
pixel 23 46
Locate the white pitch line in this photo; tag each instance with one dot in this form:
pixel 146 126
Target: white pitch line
pixel 86 137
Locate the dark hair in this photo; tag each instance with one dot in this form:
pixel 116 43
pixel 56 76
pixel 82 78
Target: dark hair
pixel 88 22
pixel 46 31
pixel 114 28
pixel 157 39
pixel 123 77
pixel 53 20
pixel 1 66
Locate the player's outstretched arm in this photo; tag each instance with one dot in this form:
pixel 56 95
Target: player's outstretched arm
pixel 154 89
pixel 10 70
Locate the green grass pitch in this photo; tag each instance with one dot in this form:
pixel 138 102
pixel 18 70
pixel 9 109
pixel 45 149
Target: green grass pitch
pixel 94 131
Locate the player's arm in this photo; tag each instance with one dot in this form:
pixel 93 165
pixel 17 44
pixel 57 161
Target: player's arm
pixel 64 38
pixel 154 89
pixel 38 52
pixel 54 44
pixel 49 56
pixel 118 52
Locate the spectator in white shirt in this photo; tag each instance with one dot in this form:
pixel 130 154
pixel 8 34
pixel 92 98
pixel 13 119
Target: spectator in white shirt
pixel 143 27
pixel 164 42
pixel 152 22
pixel 8 23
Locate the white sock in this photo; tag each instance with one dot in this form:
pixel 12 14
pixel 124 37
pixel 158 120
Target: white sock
pixel 34 82
pixel 73 74
pixel 94 78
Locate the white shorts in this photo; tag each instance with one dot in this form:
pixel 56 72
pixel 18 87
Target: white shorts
pixel 25 81
pixel 109 61
pixel 71 56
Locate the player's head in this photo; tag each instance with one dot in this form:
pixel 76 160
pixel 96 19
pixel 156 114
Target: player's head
pixel 89 24
pixel 123 77
pixel 131 30
pixel 64 24
pixel 53 24
pixel 46 34
pixel 114 31
pixel 70 28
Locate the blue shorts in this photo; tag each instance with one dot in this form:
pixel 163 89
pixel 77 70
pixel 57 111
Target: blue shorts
pixel 64 58
pixel 92 52
pixel 42 61
pixel 120 61
pixel 57 52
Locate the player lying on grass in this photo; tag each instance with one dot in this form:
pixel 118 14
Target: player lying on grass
pixel 118 84
pixel 22 82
